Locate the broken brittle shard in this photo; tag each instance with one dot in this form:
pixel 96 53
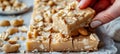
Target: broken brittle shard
pixel 59 25
pixel 70 19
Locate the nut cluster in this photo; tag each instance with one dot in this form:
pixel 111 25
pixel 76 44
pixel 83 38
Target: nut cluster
pixel 11 5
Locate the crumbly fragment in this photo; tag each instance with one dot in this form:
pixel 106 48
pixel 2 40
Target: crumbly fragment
pixel 23 29
pixel 22 51
pixel 12 30
pixel 4 36
pixel 16 38
pixel 1 9
pixel 48 27
pixel 4 23
pixel 9 48
pixel 23 6
pixel 17 22
pixel 22 38
pixel 8 8
pixel 17 4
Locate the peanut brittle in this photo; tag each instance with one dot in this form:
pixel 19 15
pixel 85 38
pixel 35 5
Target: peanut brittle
pixel 55 26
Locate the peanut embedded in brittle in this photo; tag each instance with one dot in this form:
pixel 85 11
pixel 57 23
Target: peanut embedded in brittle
pixel 83 31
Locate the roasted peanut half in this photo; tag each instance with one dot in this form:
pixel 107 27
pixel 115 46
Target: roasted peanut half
pixel 4 23
pixel 83 31
pixel 23 29
pixel 10 47
pixel 12 30
pixel 13 40
pixel 17 22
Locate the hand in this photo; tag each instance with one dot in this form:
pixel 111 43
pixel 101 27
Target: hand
pixel 107 10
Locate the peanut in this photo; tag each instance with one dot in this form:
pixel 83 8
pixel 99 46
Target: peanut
pixel 4 36
pixel 4 23
pixel 83 31
pixel 13 40
pixel 10 47
pixel 17 22
pixel 12 30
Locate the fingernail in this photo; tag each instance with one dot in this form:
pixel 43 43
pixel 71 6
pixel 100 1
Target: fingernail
pixel 94 24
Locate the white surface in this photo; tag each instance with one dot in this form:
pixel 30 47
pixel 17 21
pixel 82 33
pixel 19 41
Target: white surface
pixel 109 48
pixel 112 29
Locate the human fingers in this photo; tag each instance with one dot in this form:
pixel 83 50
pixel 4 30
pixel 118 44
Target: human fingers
pixel 106 15
pixel 84 3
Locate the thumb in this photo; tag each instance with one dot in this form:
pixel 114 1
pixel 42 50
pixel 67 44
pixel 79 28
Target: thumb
pixel 106 15
pixel 84 3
